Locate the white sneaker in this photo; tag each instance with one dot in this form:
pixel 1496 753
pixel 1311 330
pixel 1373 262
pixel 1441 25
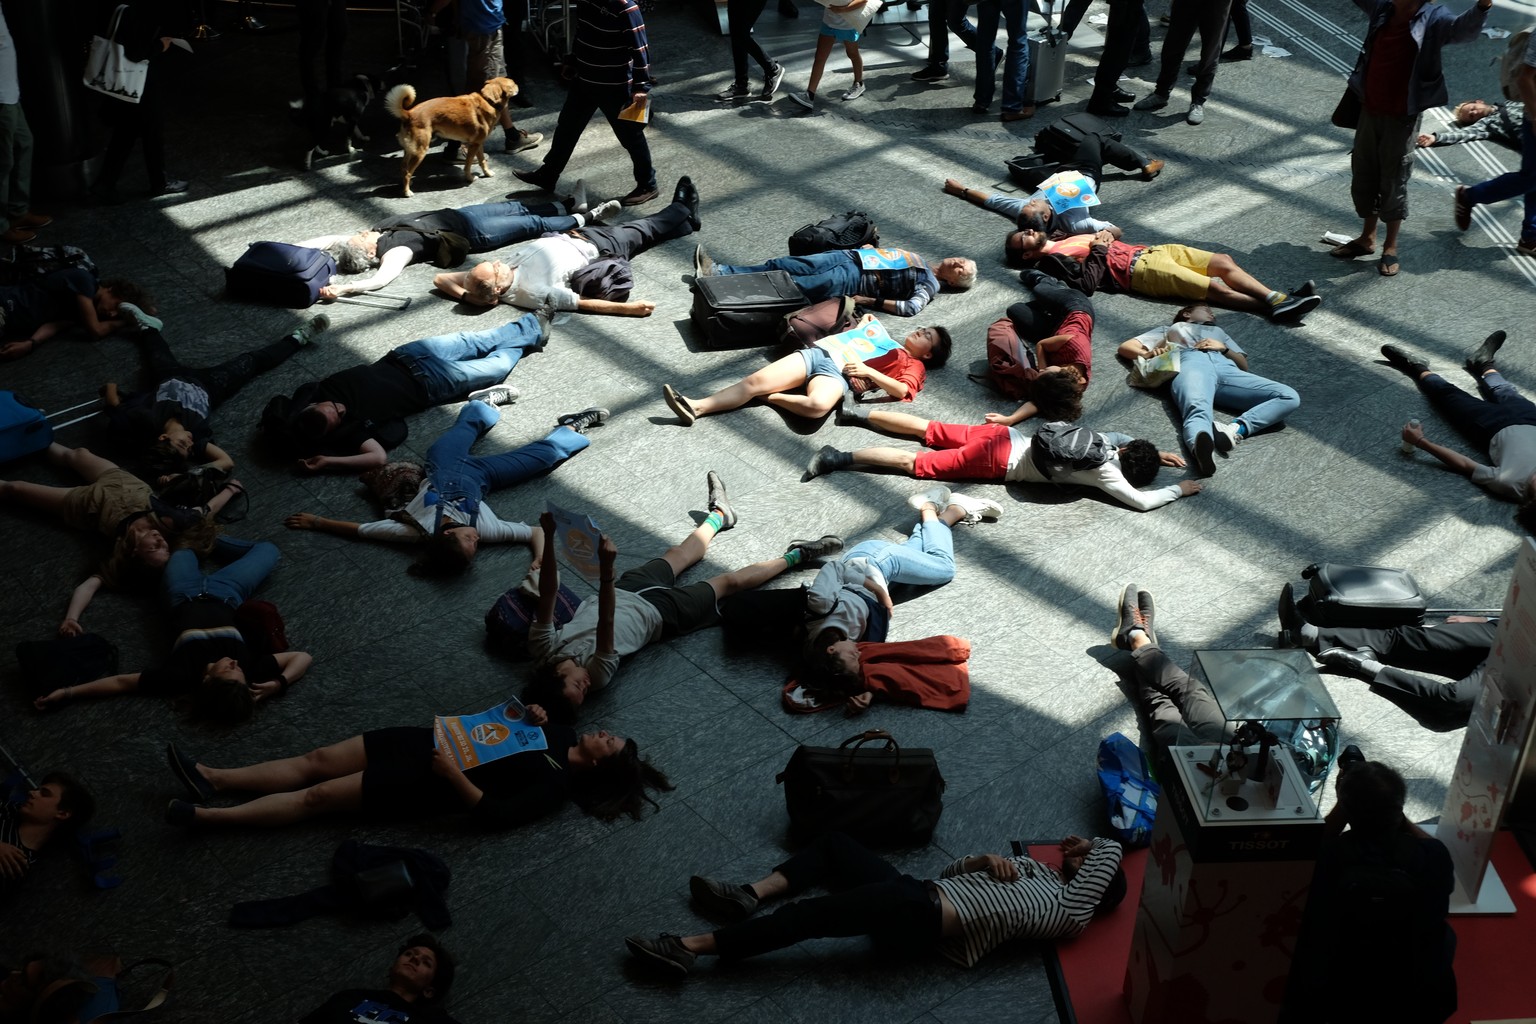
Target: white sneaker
pixel 1196 113
pixel 937 495
pixel 139 320
pixel 805 99
pixel 1227 436
pixel 602 211
pixel 976 509
pixel 855 92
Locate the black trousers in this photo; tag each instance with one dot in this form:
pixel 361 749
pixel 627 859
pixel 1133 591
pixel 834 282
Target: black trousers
pixel 1127 33
pixel 1040 316
pixel 743 14
pixel 1209 17
pixel 1180 710
pixel 135 122
pixel 1095 151
pixel 635 237
pixel 322 46
pixel 869 897
pixel 221 382
pixel 584 100
pixel 1456 650
pixel 1238 19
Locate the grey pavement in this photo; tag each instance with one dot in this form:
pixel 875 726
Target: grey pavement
pixel 540 912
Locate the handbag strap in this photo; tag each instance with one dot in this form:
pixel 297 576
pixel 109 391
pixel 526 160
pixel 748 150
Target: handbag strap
pixel 117 16
pixel 865 737
pixel 155 1001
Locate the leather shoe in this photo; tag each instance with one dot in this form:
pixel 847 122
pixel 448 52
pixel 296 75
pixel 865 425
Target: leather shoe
pixel 32 220
pixel 1018 115
pixel 1349 659
pixel 535 179
pixel 687 194
pixel 18 235
pixel 1122 95
pixel 1107 109
pixel 1402 362
pixel 640 194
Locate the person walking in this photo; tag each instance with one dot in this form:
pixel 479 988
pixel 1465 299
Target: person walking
pixel 1187 16
pixel 742 15
pixel 20 223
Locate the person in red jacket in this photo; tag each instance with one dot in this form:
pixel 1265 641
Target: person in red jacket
pixel 927 673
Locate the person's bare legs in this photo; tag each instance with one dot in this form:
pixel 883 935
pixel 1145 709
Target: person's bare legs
pixel 950 514
pixel 691 551
pixel 1236 278
pixel 291 773
pixel 1221 294
pixel 39 496
pixel 1389 244
pixel 276 809
pixel 901 424
pixel 748 577
pixel 779 375
pixel 1367 237
pixel 852 50
pixel 823 50
pixel 821 397
pixel 886 458
pixel 83 461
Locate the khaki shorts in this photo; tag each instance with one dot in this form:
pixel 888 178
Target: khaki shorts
pixel 486 60
pixel 102 505
pixel 1172 272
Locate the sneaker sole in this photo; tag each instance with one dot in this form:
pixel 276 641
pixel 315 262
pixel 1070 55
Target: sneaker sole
pixel 917 501
pixel 1127 600
pixel 651 957
pixel 1205 465
pixel 715 905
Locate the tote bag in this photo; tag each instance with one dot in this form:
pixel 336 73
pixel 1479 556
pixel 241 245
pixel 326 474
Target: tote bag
pixel 108 69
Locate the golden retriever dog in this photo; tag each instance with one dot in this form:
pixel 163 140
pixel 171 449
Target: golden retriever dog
pixel 467 119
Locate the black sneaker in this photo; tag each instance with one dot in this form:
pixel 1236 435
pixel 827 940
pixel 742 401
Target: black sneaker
pixel 721 900
pixel 1107 108
pixel 1403 362
pixel 185 769
pixel 496 394
pixel 664 951
pixel 1481 360
pixel 827 460
pixel 181 814
pixel 1307 287
pixel 718 502
pixel 771 86
pixel 580 421
pixel 825 546
pixel 1294 308
pixel 849 412
pixel 534 178
pixel 1137 611
pixel 1205 463
pixel 931 73
pixel 1238 52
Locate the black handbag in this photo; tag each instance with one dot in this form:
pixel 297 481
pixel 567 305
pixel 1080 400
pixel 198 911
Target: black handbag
pixel 47 665
pixel 883 796
pixel 1347 113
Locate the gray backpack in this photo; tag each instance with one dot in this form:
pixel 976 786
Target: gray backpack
pixel 1060 447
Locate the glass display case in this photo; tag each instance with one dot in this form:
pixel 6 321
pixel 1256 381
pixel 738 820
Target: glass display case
pixel 1284 730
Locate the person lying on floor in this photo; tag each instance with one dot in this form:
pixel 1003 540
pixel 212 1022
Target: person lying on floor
pixel 420 978
pixel 170 422
pixel 639 607
pixel 1053 331
pixel 210 661
pixel 880 280
pixel 829 370
pixel 562 272
pixel 38 310
pixel 1060 453
pixel 929 673
pixel 448 515
pixel 54 810
pixel 1213 371
pixel 404 773
pixel 975 905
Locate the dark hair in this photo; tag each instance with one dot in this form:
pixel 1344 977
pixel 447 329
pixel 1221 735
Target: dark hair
pixel 547 690
pixel 163 459
pixel 442 978
pixel 618 785
pixel 1185 315
pixel 1373 796
pixel 1058 396
pixel 943 345
pixel 127 291
pixel 222 700
pixel 311 422
pixel 441 556
pixel 73 797
pixel 1139 462
pixel 1013 249
pixel 1114 890
pixel 1031 222
pixel 1525 515
pixel 825 672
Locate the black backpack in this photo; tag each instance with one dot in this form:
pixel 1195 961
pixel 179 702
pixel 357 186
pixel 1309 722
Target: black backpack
pixel 1061 447
pixel 27 263
pixel 851 230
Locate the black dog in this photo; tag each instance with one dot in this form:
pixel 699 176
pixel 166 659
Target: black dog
pixel 342 107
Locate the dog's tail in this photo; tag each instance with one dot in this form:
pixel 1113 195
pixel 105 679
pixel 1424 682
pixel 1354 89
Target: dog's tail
pixel 399 100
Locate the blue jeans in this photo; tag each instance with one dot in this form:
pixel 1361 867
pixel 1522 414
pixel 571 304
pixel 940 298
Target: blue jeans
pixel 925 559
pixel 493 225
pixel 464 479
pixel 452 365
pixel 233 584
pixel 1501 406
pixel 822 275
pixel 1515 183
pixel 1210 378
pixel 982 38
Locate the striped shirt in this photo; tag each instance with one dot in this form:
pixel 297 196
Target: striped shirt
pixel 611 47
pixel 1036 906
pixel 10 832
pixel 1502 126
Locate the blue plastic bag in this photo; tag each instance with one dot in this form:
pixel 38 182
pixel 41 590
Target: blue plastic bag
pixel 1130 794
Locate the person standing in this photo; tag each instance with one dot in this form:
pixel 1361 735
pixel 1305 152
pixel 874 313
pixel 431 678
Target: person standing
pixel 743 14
pixel 1397 77
pixel 613 71
pixel 1210 18
pixel 480 24
pixel 146 33
pixel 1126 33
pixel 15 150
pixel 982 40
pixel 1520 182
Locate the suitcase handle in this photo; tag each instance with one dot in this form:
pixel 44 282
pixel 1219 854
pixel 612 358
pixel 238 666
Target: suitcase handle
pixel 865 737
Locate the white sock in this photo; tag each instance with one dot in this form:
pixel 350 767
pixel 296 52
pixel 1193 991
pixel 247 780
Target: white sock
pixel 581 219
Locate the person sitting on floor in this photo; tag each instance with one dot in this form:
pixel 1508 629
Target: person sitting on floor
pixel 1213 370
pixel 170 422
pixel 1479 121
pixel 448 516
pixel 1167 271
pixel 1502 422
pixel 828 372
pixel 37 310
pixel 643 605
pixel 546 272
pixel 997 452
pixel 975 905
pixel 1180 710
pixel 880 280
pixel 1456 649
pixel 420 978
pixel 401 773
pixel 211 660
pixel 422 238
pixel 58 806
pixel 347 421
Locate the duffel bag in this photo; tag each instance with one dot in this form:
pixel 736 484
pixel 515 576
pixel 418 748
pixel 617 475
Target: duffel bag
pixel 880 796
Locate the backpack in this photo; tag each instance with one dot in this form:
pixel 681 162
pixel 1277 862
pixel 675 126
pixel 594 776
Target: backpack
pixel 513 614
pixel 1130 794
pixel 27 263
pixel 805 327
pixel 1008 368
pixel 850 230
pixel 1060 447
pixel 1513 61
pixel 610 278
pixel 280 274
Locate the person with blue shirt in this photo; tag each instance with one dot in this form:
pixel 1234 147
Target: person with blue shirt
pixel 880 280
pixel 1213 370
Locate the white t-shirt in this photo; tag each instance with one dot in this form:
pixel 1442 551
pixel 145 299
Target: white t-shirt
pixel 1513 450
pixel 542 270
pixel 1106 477
pixel 1186 335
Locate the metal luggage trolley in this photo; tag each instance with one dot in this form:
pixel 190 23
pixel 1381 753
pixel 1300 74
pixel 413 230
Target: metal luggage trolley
pixel 553 24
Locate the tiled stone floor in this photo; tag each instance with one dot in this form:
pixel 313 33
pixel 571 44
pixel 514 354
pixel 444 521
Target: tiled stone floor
pixel 539 912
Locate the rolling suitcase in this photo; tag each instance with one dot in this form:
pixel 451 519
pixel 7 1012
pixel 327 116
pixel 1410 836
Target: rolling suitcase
pixel 1363 596
pixel 744 310
pixel 1047 67
pixel 23 429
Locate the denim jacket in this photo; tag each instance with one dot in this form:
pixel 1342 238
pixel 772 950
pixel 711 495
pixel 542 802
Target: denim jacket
pixel 1432 28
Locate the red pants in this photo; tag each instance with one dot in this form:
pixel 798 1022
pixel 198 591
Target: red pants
pixel 966 452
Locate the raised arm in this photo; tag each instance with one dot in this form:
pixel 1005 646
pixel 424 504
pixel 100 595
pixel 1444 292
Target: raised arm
pixel 607 599
pixel 549 572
